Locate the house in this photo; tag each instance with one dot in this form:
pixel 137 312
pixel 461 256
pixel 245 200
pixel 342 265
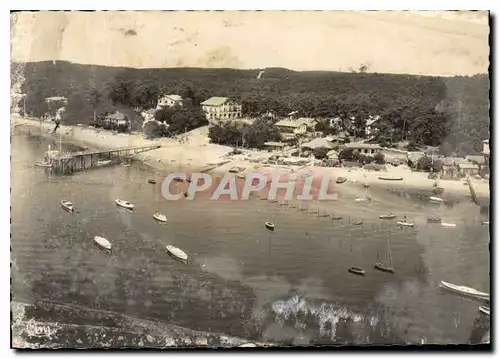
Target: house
pixel 309 122
pixel 477 159
pixel 486 147
pixel 369 149
pixel 117 120
pixel 169 101
pixel 394 156
pixel 371 125
pixel 149 114
pixel 468 169
pixel 291 129
pixel 452 163
pixel 274 146
pixel 221 108
pixel 317 143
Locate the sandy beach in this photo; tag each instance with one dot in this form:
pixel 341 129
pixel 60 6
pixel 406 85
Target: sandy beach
pixel 199 154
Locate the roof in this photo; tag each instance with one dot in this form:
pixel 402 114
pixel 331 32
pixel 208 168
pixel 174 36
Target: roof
pixel 468 166
pixel 116 116
pixel 480 159
pixel 317 143
pixel 308 121
pixel 289 123
pixel 173 97
pixel 274 144
pixel 215 101
pixel 363 145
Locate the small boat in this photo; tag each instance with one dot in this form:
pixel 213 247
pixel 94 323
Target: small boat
pixel 433 220
pixel 387 216
pixel 124 204
pixel 336 218
pixel 448 225
pixel 160 217
pixel 43 164
pixel 127 165
pixel 236 169
pixel 436 199
pixel 358 223
pixel 391 178
pixel 356 270
pixel 365 199
pixel 103 163
pixel 247 345
pixel 485 223
pixel 340 180
pixel 102 242
pixel 269 225
pixel 438 190
pixel 177 253
pixel 405 224
pixel 383 267
pixel 467 291
pixel 152 181
pixel 67 205
pixel 387 265
pixel 484 309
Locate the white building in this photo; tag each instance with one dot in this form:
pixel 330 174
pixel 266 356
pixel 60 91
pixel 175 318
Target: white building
pixel 169 101
pixel 221 108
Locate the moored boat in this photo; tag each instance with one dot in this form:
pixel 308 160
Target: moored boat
pixel 383 267
pixel 103 163
pixel 160 217
pixel 176 252
pixel 436 199
pixel 358 223
pixel 448 225
pixel 358 199
pixel 67 205
pixel 336 218
pixel 438 190
pixel 43 164
pixel 151 181
pixel 102 242
pixel 405 224
pixel 340 180
pixel 356 270
pixel 124 204
pixel 390 178
pixel 269 225
pixel 387 216
pixel 484 309
pixel 467 291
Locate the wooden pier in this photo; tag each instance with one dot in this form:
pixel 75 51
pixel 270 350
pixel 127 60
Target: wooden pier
pixel 82 160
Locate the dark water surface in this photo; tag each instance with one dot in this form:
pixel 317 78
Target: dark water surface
pixel 287 286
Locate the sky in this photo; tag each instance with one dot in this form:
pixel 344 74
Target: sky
pixel 426 43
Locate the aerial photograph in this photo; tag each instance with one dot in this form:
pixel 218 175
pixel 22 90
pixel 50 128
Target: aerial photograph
pixel 249 179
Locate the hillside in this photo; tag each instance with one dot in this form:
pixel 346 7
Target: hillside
pixel 449 111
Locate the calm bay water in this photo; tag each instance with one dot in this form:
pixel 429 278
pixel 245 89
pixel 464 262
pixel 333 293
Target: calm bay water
pixel 287 286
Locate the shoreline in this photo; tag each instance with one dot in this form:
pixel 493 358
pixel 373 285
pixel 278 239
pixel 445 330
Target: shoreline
pixel 199 155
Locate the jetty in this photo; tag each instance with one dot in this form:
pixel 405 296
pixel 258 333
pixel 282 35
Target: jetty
pixel 82 160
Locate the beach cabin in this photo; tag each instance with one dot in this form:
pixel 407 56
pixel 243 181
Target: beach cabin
pixel 274 146
pixel 367 149
pixel 468 169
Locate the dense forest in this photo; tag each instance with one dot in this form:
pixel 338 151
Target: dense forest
pixel 452 112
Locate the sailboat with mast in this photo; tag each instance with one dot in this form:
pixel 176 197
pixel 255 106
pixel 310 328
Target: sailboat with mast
pixel 387 265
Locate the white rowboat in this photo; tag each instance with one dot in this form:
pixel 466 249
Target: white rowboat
pixel 124 204
pixel 484 309
pixel 43 164
pixel 405 224
pixel 102 242
pixel 436 200
pixel 160 217
pixel 176 252
pixel 67 205
pixel 461 289
pixel 103 163
pixel 448 225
